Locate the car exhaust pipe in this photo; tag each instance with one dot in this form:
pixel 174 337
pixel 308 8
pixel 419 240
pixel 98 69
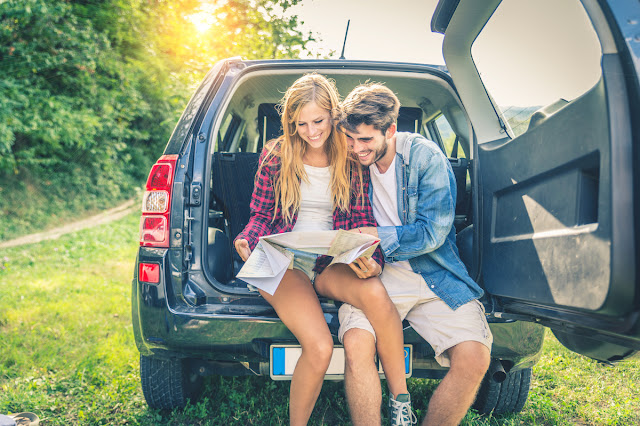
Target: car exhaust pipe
pixel 496 371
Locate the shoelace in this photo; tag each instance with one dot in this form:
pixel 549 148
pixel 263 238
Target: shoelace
pixel 403 413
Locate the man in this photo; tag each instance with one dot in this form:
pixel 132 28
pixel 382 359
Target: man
pixel 413 197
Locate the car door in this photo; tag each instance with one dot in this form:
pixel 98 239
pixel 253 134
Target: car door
pixel 554 178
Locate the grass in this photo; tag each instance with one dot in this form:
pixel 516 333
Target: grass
pixel 30 204
pixel 68 354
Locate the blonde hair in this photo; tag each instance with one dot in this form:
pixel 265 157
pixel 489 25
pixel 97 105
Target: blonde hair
pixel 290 147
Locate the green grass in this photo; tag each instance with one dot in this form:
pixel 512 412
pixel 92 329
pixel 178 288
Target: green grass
pixel 30 204
pixel 68 354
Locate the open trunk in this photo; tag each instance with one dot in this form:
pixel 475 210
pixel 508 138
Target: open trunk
pixel 250 119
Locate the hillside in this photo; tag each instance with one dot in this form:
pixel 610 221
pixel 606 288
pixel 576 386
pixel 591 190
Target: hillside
pixel 92 90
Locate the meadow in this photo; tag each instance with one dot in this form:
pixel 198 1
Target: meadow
pixel 67 354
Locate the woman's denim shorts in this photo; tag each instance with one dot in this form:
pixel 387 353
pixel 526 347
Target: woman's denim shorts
pixel 305 262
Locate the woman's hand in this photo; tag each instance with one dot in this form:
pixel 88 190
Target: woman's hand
pixel 366 268
pixel 242 247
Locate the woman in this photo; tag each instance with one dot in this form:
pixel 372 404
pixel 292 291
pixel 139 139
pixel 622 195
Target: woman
pixel 308 181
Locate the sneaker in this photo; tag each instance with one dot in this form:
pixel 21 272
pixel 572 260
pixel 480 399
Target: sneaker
pixel 400 412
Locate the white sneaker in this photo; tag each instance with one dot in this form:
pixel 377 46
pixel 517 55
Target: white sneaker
pixel 400 412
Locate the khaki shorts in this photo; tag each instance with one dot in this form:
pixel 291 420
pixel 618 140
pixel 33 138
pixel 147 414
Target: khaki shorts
pixel 430 317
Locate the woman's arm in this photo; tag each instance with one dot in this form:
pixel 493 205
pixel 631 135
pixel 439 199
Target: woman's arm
pixel 262 203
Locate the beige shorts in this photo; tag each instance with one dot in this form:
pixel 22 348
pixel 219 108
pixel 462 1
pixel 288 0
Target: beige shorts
pixel 430 317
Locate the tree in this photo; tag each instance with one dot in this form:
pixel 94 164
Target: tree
pixel 91 89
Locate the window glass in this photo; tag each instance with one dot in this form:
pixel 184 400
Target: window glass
pixel 448 138
pixel 222 131
pixel 535 53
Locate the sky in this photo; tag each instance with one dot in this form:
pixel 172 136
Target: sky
pixel 556 32
pixel 390 30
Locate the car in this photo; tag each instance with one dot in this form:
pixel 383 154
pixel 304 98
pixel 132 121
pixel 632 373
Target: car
pixel 545 212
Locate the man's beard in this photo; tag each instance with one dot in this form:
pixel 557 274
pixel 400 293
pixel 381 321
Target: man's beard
pixel 381 153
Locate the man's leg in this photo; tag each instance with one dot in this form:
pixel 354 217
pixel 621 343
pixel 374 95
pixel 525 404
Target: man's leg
pixel 339 282
pixel 462 340
pixel 361 380
pixel 457 391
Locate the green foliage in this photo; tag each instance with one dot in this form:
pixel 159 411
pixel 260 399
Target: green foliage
pixel 91 90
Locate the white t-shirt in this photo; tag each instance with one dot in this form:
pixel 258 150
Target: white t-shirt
pixel 316 203
pixel 385 201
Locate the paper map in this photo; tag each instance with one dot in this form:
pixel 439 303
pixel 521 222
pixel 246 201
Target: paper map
pixel 270 259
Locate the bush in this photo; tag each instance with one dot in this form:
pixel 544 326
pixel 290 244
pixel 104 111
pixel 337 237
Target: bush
pixel 92 89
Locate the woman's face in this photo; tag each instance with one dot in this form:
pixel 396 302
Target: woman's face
pixel 314 125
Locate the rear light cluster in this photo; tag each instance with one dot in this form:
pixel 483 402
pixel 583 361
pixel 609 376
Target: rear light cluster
pixel 149 272
pixel 156 203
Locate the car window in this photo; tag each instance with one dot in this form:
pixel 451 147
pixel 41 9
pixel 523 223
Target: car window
pixel 223 131
pixel 441 132
pixel 532 54
pixel 450 142
pixel 231 137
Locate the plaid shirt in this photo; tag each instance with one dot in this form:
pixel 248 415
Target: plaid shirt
pixel 262 221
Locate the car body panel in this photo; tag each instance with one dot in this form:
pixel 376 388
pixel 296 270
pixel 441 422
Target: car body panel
pixel 234 330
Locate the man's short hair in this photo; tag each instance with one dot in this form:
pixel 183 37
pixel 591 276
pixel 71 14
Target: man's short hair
pixel 371 104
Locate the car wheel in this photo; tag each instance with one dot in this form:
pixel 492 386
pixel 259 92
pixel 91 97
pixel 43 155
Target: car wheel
pixel 168 384
pixel 506 397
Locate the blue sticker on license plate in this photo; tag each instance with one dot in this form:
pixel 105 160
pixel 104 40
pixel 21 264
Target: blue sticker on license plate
pixel 285 357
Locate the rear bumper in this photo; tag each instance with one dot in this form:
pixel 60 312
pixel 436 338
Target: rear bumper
pixel 200 333
pixel 230 330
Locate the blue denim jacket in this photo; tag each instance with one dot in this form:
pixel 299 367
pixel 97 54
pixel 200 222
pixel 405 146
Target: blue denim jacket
pixel 426 206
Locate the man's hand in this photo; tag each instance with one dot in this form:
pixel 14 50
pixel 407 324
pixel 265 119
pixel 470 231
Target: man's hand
pixel 242 247
pixel 366 268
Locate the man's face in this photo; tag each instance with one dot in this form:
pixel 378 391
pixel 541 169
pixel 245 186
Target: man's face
pixel 369 143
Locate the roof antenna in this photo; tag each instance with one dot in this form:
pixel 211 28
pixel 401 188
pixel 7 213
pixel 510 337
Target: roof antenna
pixel 345 39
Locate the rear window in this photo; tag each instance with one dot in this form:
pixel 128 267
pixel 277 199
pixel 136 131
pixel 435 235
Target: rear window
pixel 548 53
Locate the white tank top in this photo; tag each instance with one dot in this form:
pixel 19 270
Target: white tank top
pixel 316 203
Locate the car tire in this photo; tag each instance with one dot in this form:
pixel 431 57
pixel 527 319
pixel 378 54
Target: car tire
pixel 168 384
pixel 506 397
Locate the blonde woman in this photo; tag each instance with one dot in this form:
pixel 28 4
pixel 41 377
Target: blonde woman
pixel 307 180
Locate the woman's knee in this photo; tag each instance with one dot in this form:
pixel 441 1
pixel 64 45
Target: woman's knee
pixel 375 298
pixel 320 349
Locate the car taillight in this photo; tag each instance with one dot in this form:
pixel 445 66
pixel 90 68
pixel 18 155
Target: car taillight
pixel 156 203
pixel 149 273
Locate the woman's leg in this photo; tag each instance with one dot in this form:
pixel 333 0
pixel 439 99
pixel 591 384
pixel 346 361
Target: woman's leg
pixel 339 282
pixel 297 305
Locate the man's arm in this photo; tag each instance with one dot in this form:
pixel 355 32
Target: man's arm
pixel 362 212
pixel 434 216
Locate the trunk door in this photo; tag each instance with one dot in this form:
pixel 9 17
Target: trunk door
pixel 556 231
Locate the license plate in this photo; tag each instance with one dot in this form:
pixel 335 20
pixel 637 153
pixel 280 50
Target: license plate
pixel 285 357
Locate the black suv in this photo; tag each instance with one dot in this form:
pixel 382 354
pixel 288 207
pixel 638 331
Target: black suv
pixel 545 208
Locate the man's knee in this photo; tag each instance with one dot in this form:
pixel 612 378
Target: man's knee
pixel 359 348
pixel 471 359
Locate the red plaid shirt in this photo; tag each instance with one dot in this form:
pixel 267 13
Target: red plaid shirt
pixel 262 221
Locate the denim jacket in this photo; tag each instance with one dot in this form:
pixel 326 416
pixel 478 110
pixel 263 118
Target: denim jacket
pixel 426 207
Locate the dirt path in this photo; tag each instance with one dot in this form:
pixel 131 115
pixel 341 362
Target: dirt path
pixel 99 219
